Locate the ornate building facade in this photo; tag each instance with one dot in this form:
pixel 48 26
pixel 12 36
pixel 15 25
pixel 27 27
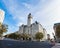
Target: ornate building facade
pixel 32 28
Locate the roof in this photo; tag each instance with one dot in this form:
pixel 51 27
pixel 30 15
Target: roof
pixel 29 15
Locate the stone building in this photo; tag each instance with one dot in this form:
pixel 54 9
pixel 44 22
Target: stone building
pixel 32 28
pixel 56 28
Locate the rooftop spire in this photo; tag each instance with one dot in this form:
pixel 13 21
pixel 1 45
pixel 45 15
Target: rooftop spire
pixel 29 15
pixel 29 21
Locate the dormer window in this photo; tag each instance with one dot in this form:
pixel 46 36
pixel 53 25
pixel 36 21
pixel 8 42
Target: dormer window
pixel 36 22
pixel 22 25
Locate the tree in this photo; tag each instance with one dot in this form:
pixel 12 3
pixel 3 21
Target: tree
pixel 25 36
pixel 17 36
pixel 13 36
pixel 39 36
pixel 3 29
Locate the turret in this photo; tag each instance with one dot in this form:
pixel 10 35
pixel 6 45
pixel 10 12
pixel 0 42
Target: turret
pixel 29 21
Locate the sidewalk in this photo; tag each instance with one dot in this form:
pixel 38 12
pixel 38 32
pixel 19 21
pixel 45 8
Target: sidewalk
pixel 57 45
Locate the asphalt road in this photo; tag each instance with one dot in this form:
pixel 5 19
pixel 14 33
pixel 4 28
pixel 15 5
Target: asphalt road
pixel 23 44
pixel 57 45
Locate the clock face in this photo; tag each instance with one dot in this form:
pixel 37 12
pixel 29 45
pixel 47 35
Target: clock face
pixel 2 13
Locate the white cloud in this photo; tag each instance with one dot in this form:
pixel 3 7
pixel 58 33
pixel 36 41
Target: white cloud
pixel 15 10
pixel 48 15
pixel 28 6
pixel 47 12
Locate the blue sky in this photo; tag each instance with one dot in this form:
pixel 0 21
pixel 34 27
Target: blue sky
pixel 46 12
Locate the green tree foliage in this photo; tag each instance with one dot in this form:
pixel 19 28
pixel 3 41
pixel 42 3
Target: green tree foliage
pixel 13 36
pixel 3 29
pixel 17 36
pixel 25 36
pixel 39 36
